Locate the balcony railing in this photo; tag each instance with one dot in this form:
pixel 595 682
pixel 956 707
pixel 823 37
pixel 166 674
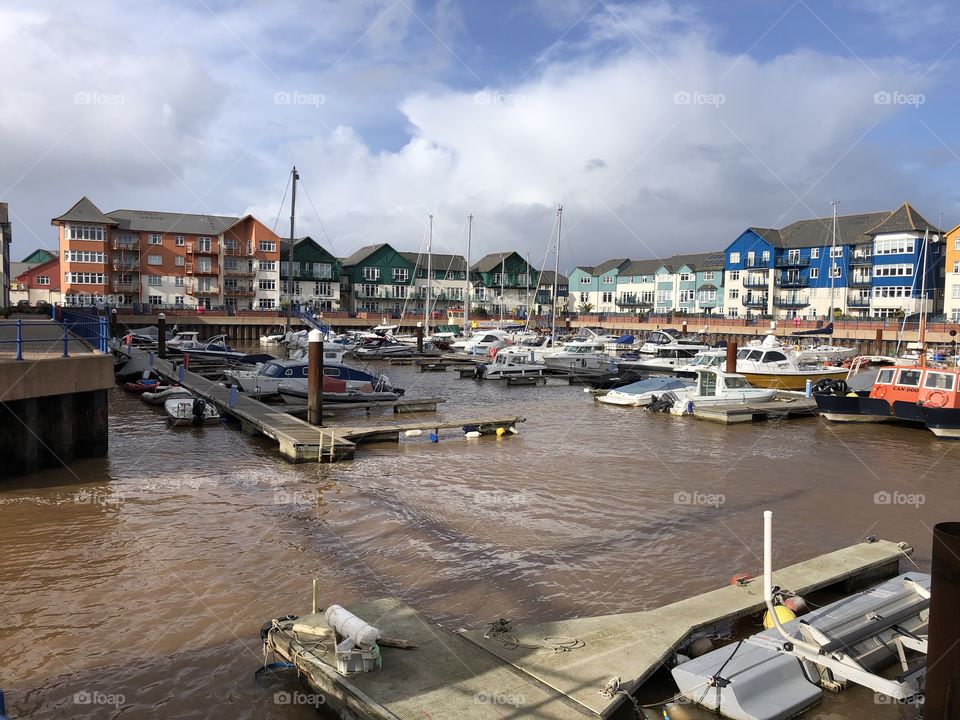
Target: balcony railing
pixel 125 265
pixel 239 292
pixel 628 301
pixel 756 264
pixel 239 272
pixel 235 250
pixel 787 261
pixel 326 275
pixel 132 244
pixel 857 300
pixel 859 282
pixel 194 249
pixel 791 301
pixel 191 290
pixel 203 270
pixel 124 285
pixel 793 282
pixel 754 300
pixel 860 259
pixel 755 282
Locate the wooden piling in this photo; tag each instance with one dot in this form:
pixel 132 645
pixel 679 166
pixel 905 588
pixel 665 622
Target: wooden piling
pixel 419 337
pixel 162 336
pixel 731 357
pixel 943 657
pixel 315 378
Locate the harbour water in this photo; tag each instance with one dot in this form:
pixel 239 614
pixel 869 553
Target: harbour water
pixel 135 586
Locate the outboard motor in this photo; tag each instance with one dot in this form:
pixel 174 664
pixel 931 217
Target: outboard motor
pixel 479 370
pixel 199 411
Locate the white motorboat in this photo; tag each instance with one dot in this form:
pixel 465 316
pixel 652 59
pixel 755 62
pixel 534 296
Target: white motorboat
pixel 190 411
pixel 579 359
pixel 771 364
pixel 715 388
pixel 380 346
pixel 643 392
pixel 186 340
pixel 825 354
pixel 277 336
pixel 512 362
pixel 667 336
pixel 664 358
pixel 164 393
pixel 482 342
pixel 267 378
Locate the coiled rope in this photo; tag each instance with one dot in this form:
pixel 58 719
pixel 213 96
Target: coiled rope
pixel 501 631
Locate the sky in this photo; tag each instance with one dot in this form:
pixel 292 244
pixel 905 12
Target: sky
pixel 661 127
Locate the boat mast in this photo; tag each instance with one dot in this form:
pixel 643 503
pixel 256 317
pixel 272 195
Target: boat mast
pixel 466 283
pixel 833 280
pixel 527 324
pixel 923 301
pixel 503 267
pixel 293 206
pixel 427 303
pixel 556 275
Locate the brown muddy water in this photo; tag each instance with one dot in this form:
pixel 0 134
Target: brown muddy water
pixel 135 586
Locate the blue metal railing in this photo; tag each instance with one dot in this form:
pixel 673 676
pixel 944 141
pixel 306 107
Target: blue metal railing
pixel 310 318
pixel 88 326
pixel 92 329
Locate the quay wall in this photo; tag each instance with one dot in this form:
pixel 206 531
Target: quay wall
pixel 54 411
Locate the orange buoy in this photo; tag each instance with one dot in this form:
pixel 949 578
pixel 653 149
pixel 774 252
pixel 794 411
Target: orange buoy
pixel 741 579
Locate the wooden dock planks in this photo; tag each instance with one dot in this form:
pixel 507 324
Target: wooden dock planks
pixel 633 645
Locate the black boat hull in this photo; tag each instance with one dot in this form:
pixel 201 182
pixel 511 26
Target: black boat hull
pixel 843 408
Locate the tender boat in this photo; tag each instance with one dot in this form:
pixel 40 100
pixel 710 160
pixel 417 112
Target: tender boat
pixel 277 336
pixel 141 386
pixel 164 393
pixel 642 393
pixel 186 340
pixel 190 411
pixel 215 347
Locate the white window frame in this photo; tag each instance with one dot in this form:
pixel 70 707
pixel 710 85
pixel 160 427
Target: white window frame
pixel 154 260
pixel 154 239
pixel 267 246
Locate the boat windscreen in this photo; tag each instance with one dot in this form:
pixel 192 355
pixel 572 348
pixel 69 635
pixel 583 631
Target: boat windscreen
pixel 654 385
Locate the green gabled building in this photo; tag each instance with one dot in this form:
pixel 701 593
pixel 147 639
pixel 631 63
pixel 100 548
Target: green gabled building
pixel 315 277
pixel 377 279
pixel 510 272
pixel 39 257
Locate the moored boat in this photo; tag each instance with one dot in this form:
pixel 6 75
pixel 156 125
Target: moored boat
pixel 163 393
pixel 773 365
pixel 190 411
pixel 642 393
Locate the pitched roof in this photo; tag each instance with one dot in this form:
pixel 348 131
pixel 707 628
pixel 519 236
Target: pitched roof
pixel 84 211
pixel 769 234
pixel 695 261
pixel 610 265
pixel 641 267
pixel 362 254
pixel 851 230
pixel 490 261
pixel 903 219
pixel 166 222
pixel 546 278
pixel 438 261
pixel 40 255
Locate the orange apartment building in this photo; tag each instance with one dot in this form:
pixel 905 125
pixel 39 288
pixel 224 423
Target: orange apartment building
pixel 167 259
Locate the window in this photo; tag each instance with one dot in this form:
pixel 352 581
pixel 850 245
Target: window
pixel 707 296
pixel 85 256
pixel 940 381
pixel 178 241
pixel 84 232
pixel 178 260
pixel 793 255
pixel 892 291
pixel 708 277
pixel 205 265
pixel 401 274
pixel 836 252
pixel 765 256
pixel 956 266
pixel 156 300
pixel 608 279
pixel 664 297
pixel 734 258
pixel 954 291
pixel 155 239
pixel 686 277
pixel 178 281
pixel 371 273
pixel 268 284
pixel 266 303
pixel 83 278
pixel 686 296
pixel 734 294
pixel 268 265
pixel 607 297
pixel 909 378
pixel 734 275
pixel 892 270
pixel 814 273
pixel 178 300
pixel 836 271
pixel 43 279
pixel 814 253
pixel 154 280
pixel 154 260
pixel 885 376
pixel 586 280
pixel 894 246
pixel 266 246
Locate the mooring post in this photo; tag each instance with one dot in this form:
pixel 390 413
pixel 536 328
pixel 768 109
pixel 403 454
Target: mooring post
pixel 315 378
pixel 731 357
pixel 419 337
pixel 162 336
pixel 113 322
pixel 879 341
pixel 942 698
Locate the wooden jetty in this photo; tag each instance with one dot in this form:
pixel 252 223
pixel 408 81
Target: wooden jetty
pixel 785 405
pixel 468 675
pixel 299 441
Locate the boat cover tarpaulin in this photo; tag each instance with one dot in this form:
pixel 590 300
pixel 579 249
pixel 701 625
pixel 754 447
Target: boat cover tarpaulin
pixel 625 340
pixel 826 330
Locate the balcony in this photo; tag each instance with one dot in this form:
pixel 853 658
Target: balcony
pixel 626 300
pixel 125 285
pixel 791 300
pixel 860 259
pixel 756 264
pixel 239 292
pixel 194 270
pixel 243 272
pixel 792 262
pixel 130 244
pixel 789 281
pixel 858 300
pixel 754 301
pixel 756 281
pixel 235 250
pixel 125 265
pixel 325 275
pixel 856 281
pixel 194 249
pixel 206 290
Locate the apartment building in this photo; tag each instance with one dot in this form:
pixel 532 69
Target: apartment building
pixel 315 275
pixel 164 259
pixel 503 283
pixel 951 294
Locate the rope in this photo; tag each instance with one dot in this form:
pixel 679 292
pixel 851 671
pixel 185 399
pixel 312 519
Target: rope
pixel 500 630
pixel 612 689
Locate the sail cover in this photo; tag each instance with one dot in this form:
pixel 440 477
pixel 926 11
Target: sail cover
pixel 826 330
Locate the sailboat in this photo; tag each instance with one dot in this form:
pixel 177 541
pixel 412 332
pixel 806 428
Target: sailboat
pixel 927 395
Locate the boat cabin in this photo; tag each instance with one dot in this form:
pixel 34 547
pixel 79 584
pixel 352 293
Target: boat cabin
pixel 770 357
pixel 928 386
pixel 711 383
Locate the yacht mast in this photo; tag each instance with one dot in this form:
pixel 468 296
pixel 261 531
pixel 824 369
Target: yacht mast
pixel 293 206
pixel 556 275
pixel 426 307
pixel 923 301
pixel 503 267
pixel 833 280
pixel 466 288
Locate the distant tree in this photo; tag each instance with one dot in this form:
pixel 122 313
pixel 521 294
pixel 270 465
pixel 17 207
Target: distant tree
pixel 585 307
